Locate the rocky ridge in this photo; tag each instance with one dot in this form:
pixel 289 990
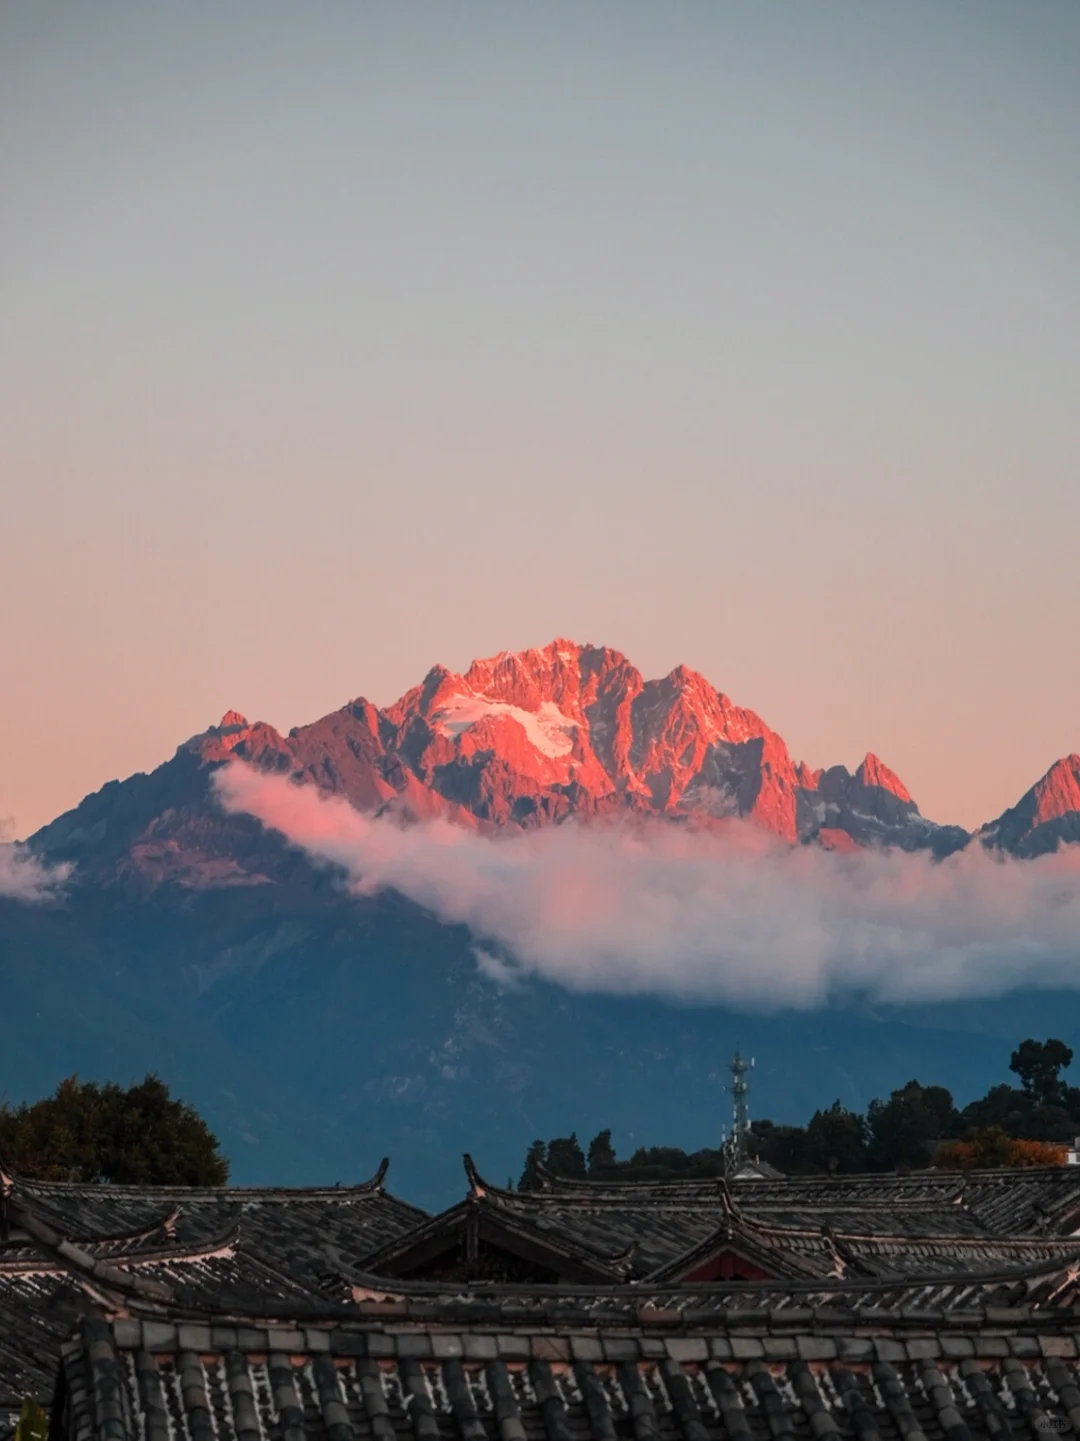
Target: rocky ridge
pixel 520 740
pixel 1045 817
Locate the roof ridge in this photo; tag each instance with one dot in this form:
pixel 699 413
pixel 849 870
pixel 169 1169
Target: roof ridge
pixel 30 1184
pixel 453 1300
pixel 586 1184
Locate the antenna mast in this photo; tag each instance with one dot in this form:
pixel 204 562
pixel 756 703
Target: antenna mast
pixel 737 1146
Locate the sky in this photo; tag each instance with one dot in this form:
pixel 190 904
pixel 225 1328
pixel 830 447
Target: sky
pixel 339 340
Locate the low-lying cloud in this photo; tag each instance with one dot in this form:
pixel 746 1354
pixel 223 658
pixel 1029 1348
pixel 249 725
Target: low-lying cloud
pixel 735 918
pixel 25 878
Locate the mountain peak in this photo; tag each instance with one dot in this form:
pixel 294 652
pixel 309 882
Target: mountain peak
pixel 530 738
pixel 233 733
pixel 686 679
pixel 1044 816
pixel 874 772
pixel 1058 792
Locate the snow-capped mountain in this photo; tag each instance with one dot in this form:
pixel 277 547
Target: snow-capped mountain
pixel 318 1027
pixel 528 739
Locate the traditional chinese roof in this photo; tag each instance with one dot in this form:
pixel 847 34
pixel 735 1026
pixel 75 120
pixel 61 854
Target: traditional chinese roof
pixel 807 1249
pixel 780 1267
pixel 652 1375
pixel 705 1230
pixel 600 1235
pixel 1034 1286
pixel 305 1230
pixel 1040 1200
pixel 754 1168
pixel 1015 1202
pixel 42 1296
pixel 69 1249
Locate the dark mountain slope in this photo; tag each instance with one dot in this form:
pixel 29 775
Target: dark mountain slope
pixel 317 1036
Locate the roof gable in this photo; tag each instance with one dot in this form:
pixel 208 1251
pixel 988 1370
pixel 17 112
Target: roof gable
pixel 481 1239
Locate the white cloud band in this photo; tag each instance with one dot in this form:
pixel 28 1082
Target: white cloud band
pixel 733 917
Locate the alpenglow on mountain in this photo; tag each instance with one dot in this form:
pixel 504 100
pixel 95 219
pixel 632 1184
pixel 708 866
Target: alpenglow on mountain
pixel 526 739
pixel 519 740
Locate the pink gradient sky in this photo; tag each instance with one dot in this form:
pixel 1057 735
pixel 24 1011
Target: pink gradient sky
pixel 740 336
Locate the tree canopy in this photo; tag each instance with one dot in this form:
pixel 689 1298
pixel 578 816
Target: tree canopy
pixel 562 1156
pixel 90 1132
pixel 1039 1065
pixel 914 1127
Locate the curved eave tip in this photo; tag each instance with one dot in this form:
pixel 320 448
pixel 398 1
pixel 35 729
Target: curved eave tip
pixel 472 1175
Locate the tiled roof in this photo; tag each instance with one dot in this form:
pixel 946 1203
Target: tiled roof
pixel 656 1222
pixel 809 1249
pixel 1015 1202
pixel 1045 1287
pixel 92 1246
pixel 766 1378
pixel 43 1295
pixel 1006 1202
pixel 672 1231
pixel 306 1231
pixel 907 1272
pixel 547 1250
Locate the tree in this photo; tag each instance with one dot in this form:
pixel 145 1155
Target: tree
pixel 90 1132
pixel 601 1158
pixel 535 1157
pixel 904 1128
pixel 917 1126
pixel 784 1147
pixel 660 1163
pixel 1002 1106
pixel 1037 1153
pixel 836 1140
pixel 1038 1064
pixel 990 1147
pixel 939 1101
pixel 1046 1123
pixel 565 1156
pixel 1071 1101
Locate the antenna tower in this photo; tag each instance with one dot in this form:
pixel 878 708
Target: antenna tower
pixel 737 1146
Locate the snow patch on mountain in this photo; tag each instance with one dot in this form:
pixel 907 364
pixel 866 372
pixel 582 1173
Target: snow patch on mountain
pixel 548 729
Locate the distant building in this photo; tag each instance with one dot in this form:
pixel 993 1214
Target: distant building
pixel 755 1169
